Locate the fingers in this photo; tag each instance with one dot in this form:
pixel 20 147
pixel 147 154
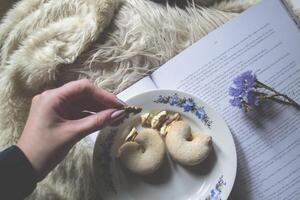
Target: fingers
pixel 86 89
pixel 92 123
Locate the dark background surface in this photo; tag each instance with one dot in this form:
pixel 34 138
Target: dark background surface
pixel 5 5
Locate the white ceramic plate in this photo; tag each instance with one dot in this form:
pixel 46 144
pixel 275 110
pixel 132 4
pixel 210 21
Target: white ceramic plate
pixel 212 179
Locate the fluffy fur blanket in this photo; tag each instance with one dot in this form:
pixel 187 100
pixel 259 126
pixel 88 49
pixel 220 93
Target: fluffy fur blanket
pixel 46 43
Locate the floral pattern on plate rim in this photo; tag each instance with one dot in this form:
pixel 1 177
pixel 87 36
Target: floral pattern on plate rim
pixel 215 193
pixel 105 159
pixel 188 105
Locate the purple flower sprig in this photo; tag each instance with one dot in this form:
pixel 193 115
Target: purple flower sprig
pixel 248 93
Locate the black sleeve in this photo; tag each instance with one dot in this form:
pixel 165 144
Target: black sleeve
pixel 17 176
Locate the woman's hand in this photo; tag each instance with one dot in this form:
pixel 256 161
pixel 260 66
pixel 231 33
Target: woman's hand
pixel 56 121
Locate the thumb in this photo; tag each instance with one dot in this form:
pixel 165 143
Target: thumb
pixel 97 121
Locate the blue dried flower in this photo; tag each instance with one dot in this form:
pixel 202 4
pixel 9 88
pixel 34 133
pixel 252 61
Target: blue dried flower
pixel 200 113
pixel 188 105
pixel 245 81
pixel 243 91
pixel 248 92
pixel 237 92
pixel 236 101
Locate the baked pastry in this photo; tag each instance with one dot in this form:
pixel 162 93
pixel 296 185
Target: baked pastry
pixel 187 148
pixel 144 153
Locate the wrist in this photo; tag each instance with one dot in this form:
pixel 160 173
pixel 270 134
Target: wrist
pixel 31 159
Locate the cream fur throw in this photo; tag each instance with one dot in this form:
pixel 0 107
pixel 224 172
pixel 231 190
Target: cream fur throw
pixel 45 43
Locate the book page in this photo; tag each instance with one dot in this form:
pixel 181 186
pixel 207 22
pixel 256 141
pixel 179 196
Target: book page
pixel 142 85
pixel 267 140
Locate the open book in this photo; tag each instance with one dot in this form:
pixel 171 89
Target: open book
pixel 265 39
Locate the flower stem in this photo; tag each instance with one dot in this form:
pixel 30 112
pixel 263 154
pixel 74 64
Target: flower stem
pixel 261 94
pixel 265 86
pixel 281 101
pixel 245 106
pixel 287 99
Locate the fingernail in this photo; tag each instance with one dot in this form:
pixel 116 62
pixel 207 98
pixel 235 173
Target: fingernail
pixel 121 102
pixel 89 112
pixel 117 115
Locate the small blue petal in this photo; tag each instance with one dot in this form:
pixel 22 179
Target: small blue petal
pixel 234 92
pixel 239 82
pixel 246 80
pixel 236 102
